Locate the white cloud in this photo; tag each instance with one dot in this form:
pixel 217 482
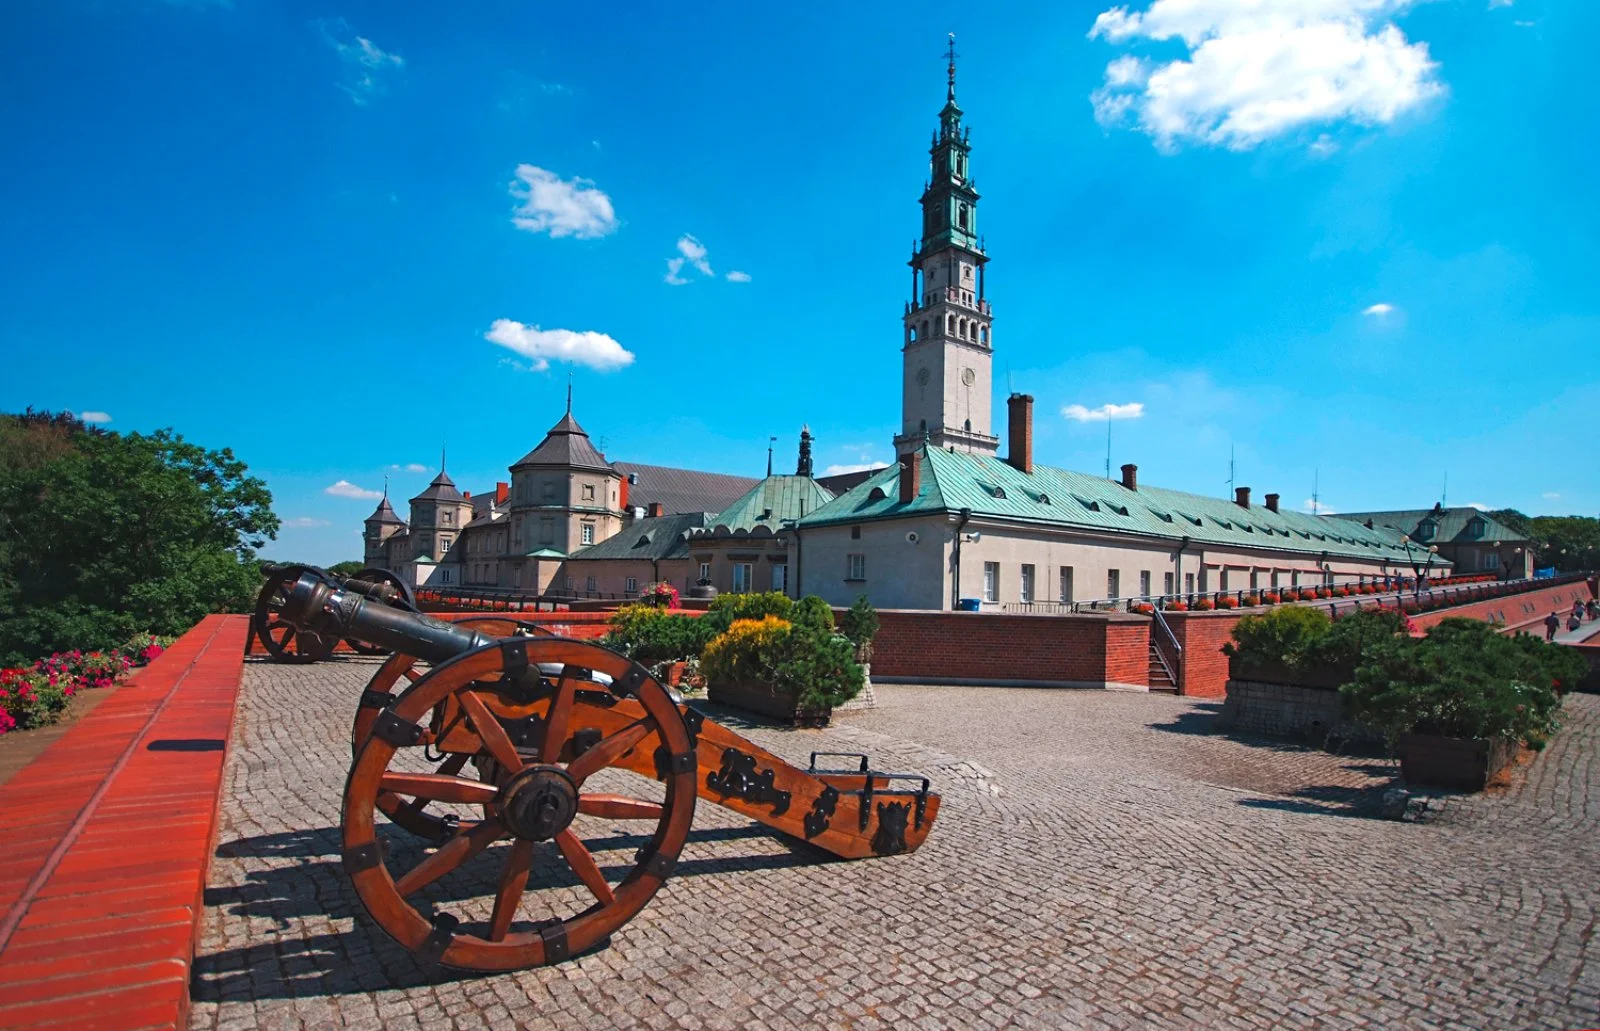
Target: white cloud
pixel 674 265
pixel 1480 506
pixel 738 277
pixel 1551 495
pixel 1323 146
pixel 693 253
pixel 840 470
pixel 596 350
pixel 366 64
pixel 303 522
pixel 1106 412
pixel 1317 508
pixel 1378 310
pixel 409 467
pixel 1500 3
pixel 561 207
pixel 1257 69
pixel 95 417
pixel 346 489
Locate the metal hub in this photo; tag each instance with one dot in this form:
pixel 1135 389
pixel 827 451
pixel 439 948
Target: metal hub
pixel 539 803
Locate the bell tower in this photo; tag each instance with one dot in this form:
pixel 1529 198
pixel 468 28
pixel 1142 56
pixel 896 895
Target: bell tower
pixel 947 376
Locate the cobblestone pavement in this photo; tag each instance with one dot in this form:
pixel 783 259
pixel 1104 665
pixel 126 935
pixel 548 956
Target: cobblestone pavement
pixel 1099 862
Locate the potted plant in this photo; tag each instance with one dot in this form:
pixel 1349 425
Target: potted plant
pixel 792 671
pixel 1227 601
pixel 1457 704
pixel 1204 605
pixel 1177 606
pixel 1252 600
pixel 1271 598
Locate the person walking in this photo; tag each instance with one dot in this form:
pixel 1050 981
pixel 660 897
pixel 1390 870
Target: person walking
pixel 1552 623
pixel 1594 610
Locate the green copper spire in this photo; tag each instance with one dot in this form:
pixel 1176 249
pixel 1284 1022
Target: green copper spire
pixel 950 204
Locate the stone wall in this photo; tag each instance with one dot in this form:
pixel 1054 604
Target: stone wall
pixel 1311 714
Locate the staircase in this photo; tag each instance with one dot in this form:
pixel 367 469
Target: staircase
pixel 1160 680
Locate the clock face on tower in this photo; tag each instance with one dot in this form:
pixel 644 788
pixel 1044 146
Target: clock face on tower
pixel 968 376
pixel 922 377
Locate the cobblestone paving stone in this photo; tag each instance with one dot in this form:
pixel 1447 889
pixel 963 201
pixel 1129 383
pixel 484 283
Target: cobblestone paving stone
pixel 1099 862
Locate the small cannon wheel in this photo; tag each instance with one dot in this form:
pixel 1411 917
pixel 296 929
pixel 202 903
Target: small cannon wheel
pixel 372 574
pixel 414 814
pixel 281 638
pixel 536 794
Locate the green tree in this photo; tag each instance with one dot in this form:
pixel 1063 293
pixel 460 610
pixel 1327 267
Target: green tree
pixel 1570 543
pixel 350 568
pixel 105 534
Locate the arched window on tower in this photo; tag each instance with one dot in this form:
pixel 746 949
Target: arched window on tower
pixel 961 329
pixel 911 334
pixel 922 332
pixel 961 216
pixel 950 325
pixel 923 428
pixel 983 335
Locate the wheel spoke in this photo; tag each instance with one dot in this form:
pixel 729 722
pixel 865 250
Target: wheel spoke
pixel 583 865
pixel 411 674
pixel 489 729
pixel 555 724
pixel 513 881
pixel 617 807
pixel 288 635
pixel 439 787
pixel 450 767
pixel 608 750
pixel 451 854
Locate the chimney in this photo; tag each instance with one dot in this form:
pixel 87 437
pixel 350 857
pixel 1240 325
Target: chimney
pixel 501 492
pixel 1241 497
pixel 1272 502
pixel 467 494
pixel 657 509
pixel 910 478
pixel 1130 476
pixel 804 466
pixel 1021 410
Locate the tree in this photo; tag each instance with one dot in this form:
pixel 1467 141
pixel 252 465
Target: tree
pixel 346 568
pixel 105 534
pixel 1570 543
pixel 1512 518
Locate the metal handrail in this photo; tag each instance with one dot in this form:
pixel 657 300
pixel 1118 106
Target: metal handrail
pixel 1161 642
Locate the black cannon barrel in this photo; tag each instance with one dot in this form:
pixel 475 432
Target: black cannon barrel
pixel 316 605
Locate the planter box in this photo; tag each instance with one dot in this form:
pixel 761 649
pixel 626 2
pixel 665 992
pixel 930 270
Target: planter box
pixel 1278 673
pixel 764 699
pixel 1452 762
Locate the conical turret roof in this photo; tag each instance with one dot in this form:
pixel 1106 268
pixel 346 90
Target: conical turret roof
pixel 566 446
pixel 443 488
pixel 385 514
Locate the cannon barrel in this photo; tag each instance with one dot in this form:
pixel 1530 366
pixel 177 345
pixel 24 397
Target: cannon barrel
pixel 316 605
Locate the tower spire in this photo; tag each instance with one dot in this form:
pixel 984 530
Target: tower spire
pixel 952 55
pixel 441 458
pixel 569 391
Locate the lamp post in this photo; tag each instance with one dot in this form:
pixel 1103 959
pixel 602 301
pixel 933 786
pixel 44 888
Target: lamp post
pixel 1420 572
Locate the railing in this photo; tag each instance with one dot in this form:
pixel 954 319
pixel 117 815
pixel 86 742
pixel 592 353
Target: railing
pixel 1167 649
pixel 503 599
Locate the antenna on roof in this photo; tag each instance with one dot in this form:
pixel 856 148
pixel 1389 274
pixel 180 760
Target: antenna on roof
pixel 386 486
pixel 770 441
pixel 1108 449
pixel 1230 471
pixel 441 458
pixel 1316 499
pixel 1444 495
pixel 569 391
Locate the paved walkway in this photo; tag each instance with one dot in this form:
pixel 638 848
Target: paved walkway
pixel 1100 862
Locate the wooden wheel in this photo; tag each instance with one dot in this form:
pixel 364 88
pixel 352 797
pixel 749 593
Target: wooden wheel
pixel 282 639
pixel 408 599
pixel 414 814
pixel 573 729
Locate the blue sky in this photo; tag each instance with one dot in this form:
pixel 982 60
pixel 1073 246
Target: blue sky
pixel 1356 241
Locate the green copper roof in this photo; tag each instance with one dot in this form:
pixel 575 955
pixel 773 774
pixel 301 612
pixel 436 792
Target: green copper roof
pixel 546 553
pixel 648 539
pixel 988 486
pixel 1450 525
pixel 772 502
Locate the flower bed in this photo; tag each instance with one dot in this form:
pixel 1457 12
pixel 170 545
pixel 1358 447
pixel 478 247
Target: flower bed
pixel 35 696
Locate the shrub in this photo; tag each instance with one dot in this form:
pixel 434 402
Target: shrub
pixel 1287 636
pixel 1464 680
pixel 1351 634
pixel 1291 595
pixel 1203 605
pixel 1252 600
pixel 35 696
pixel 813 612
pixel 728 608
pixel 735 654
pixel 659 593
pixel 859 624
pixel 1177 606
pixel 815 666
pixel 1227 601
pixel 1271 598
pixel 649 634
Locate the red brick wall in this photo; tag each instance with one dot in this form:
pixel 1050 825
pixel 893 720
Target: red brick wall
pixel 1517 610
pixel 978 646
pixel 1204 671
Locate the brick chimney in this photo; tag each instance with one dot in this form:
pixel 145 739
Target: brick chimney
pixel 1021 412
pixel 910 478
pixel 1272 502
pixel 467 494
pixel 1130 476
pixel 657 508
pixel 501 492
pixel 1241 497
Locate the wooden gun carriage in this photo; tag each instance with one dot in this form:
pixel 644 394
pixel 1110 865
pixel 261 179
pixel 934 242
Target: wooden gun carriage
pixel 512 734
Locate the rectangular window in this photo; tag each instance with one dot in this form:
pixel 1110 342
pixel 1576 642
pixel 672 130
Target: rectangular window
pixel 1255 579
pixel 547 531
pixel 589 585
pixel 1294 578
pixel 1113 584
pixel 856 569
pixel 1273 579
pixel 1025 586
pixel 588 533
pixel 446 575
pixel 588 492
pixel 1222 579
pixel 1188 583
pixel 1144 583
pixel 444 545
pixel 1066 583
pixel 741 578
pixel 1166 583
pixel 449 517
pixel 991 581
pixel 855 533
pixel 1491 561
pixel 549 493
pixel 632 585
pixel 780 578
pixel 705 571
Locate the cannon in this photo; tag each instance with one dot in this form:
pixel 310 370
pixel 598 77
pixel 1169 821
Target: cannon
pixel 285 642
pixel 510 738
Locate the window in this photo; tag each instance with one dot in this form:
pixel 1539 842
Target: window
pixel 1294 578
pixel 780 578
pixel 856 567
pixel 705 571
pixel 855 533
pixel 549 493
pixel 741 578
pixel 1113 584
pixel 1066 583
pixel 991 581
pixel 444 545
pixel 1144 583
pixel 1167 583
pixel 1475 528
pixel 449 517
pixel 1222 579
pixel 1255 579
pixel 588 533
pixel 1425 530
pixel 588 492
pixel 1025 587
pixel 1188 583
pixel 445 575
pixel 589 584
pixel 1491 560
pixel 632 585
pixel 1273 580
